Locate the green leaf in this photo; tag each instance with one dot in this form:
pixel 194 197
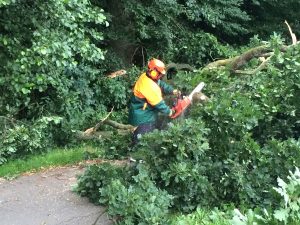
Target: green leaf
pixel 25 91
pixel 281 214
pixel 43 51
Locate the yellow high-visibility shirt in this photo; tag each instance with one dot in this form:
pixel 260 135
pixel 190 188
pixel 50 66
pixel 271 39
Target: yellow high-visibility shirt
pixel 146 88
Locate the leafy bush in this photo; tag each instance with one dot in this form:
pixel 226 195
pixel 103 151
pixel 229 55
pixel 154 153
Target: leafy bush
pixel 23 139
pixel 249 172
pixel 287 211
pixel 252 120
pixel 290 204
pixel 109 185
pixel 144 202
pixel 96 177
pixel 48 56
pixel 204 217
pixel 178 162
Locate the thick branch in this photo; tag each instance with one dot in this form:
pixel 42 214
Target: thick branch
pixel 238 62
pixel 92 135
pixel 259 68
pixel 114 124
pixel 219 63
pixel 118 125
pixel 95 128
pixel 103 120
pixel 247 56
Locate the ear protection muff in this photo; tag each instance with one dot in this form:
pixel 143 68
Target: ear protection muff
pixel 154 74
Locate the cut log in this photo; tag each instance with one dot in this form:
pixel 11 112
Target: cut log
pixel 199 97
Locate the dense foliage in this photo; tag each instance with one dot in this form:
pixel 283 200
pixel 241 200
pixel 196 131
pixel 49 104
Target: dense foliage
pixel 230 151
pixel 176 30
pixel 287 211
pixel 269 16
pixel 45 49
pixel 49 58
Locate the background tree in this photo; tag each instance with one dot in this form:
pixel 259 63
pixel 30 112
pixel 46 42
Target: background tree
pixel 269 16
pixel 168 29
pixel 49 52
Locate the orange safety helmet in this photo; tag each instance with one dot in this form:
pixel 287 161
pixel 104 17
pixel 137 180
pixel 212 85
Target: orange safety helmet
pixel 156 69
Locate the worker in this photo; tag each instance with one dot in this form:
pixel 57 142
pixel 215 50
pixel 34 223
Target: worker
pixel 147 99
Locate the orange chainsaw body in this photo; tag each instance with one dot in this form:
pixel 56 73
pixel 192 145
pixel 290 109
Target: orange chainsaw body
pixel 183 103
pixel 180 106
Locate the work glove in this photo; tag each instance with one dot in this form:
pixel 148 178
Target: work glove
pixel 176 92
pixel 172 112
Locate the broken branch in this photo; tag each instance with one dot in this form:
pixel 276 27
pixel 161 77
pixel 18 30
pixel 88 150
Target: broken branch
pixel 294 38
pixel 93 129
pixel 119 125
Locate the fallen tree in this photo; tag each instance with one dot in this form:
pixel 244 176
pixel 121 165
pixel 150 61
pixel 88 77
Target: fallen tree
pixel 235 65
pixel 263 53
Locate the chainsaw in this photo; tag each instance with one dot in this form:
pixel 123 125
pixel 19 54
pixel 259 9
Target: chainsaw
pixel 182 103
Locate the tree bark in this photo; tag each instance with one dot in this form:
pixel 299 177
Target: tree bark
pixel 236 63
pixel 119 125
pixel 219 63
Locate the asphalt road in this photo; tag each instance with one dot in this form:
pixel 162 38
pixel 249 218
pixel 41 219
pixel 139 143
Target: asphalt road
pixel 45 198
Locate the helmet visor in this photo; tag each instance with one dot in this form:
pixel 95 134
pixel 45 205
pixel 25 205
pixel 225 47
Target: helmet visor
pixel 163 71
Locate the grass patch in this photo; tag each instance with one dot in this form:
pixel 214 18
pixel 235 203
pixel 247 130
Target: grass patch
pixel 203 217
pixel 56 157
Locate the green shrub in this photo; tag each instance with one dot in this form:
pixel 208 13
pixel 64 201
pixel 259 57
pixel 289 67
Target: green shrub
pixel 23 139
pixel 178 159
pixel 96 177
pixel 287 210
pixel 137 202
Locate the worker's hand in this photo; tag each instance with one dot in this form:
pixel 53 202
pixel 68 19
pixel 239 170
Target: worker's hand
pixel 176 92
pixel 172 112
